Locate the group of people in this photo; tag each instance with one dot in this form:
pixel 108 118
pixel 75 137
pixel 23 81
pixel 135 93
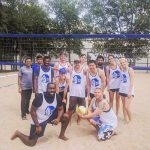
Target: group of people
pixel 83 81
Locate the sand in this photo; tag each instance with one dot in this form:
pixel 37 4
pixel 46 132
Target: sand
pixel 133 136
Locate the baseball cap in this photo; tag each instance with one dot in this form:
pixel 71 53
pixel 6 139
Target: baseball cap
pixel 62 71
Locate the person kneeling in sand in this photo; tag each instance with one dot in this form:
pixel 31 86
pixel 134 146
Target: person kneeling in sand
pixel 46 108
pixel 101 116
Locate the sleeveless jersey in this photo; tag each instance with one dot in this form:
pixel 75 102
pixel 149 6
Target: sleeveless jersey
pixel 107 117
pixel 125 83
pixel 43 79
pixel 63 66
pixel 95 82
pixel 114 78
pixel 62 86
pixel 77 84
pixel 46 110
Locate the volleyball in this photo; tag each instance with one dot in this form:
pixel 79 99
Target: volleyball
pixel 81 109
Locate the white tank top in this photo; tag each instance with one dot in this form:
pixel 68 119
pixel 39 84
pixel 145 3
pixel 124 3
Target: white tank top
pixel 63 66
pixel 114 78
pixel 46 110
pixel 43 79
pixel 77 84
pixel 95 82
pixel 108 117
pixel 62 86
pixel 125 83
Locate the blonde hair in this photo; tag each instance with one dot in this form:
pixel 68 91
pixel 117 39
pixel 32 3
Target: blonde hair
pixel 125 60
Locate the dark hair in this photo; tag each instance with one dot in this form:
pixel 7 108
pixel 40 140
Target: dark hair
pixel 91 61
pixel 82 55
pixel 111 56
pixel 27 59
pixel 46 57
pixel 38 56
pixel 50 83
pixel 100 57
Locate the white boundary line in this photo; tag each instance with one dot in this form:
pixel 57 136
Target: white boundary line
pixel 8 75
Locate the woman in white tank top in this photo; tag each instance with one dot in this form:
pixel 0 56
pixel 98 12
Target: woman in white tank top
pixel 113 76
pixel 126 88
pixel 62 86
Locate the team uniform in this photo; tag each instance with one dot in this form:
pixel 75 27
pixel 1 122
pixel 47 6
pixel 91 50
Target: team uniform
pixel 95 82
pixel 114 79
pixel 77 90
pixel 45 76
pixel 107 122
pixel 125 84
pixel 46 111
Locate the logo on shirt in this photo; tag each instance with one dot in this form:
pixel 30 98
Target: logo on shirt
pixel 124 78
pixel 49 110
pixel 76 79
pixel 45 78
pixel 95 82
pixel 116 74
pixel 62 87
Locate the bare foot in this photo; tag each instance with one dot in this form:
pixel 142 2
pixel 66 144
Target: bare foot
pixel 15 135
pixel 63 138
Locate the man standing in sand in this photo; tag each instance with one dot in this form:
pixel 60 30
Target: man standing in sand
pixel 25 86
pixel 101 116
pixel 77 88
pixel 46 108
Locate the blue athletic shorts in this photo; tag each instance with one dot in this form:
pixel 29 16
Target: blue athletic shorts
pixel 105 132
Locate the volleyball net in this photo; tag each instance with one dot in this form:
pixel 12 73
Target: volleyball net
pixel 15 47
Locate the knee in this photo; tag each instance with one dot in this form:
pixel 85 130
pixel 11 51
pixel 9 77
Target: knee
pixel 65 116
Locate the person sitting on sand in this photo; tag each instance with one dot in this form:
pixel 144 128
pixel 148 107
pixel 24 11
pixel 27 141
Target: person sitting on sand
pixel 101 116
pixel 46 108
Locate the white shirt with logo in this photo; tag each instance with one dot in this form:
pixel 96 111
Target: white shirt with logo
pixel 43 79
pixel 77 84
pixel 46 110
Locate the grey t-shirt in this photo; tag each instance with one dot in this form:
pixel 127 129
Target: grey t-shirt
pixel 26 77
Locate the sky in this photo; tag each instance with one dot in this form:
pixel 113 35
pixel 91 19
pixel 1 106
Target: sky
pixel 41 1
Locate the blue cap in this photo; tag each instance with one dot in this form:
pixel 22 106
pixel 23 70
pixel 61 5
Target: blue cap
pixel 62 71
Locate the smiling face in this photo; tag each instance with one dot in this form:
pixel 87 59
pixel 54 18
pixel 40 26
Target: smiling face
pixel 98 94
pixel 51 89
pixel 92 67
pixel 40 61
pixel 62 57
pixel 123 63
pixel 28 62
pixel 46 62
pixel 100 61
pixel 111 60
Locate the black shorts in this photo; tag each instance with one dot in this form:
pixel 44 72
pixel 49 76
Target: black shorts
pixel 74 101
pixel 124 95
pixel 33 134
pixel 114 90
